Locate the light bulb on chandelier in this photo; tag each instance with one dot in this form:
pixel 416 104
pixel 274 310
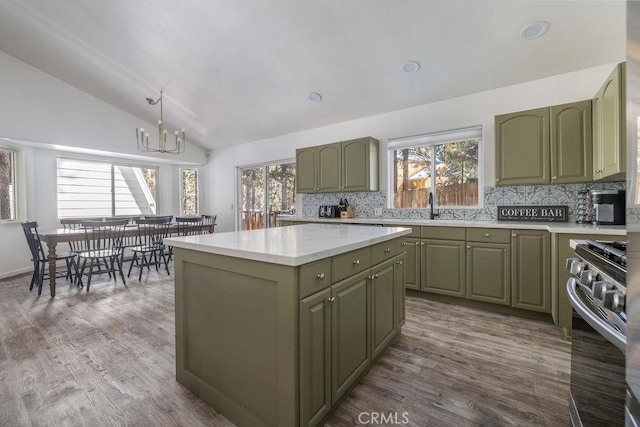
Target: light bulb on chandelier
pixel 143 137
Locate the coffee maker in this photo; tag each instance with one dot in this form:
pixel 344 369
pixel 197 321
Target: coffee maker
pixel 608 207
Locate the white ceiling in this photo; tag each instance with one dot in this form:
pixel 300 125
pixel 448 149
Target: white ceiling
pixel 236 71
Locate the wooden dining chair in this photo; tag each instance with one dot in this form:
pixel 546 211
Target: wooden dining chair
pixel 150 250
pixel 189 226
pixel 209 222
pixel 40 260
pixel 103 242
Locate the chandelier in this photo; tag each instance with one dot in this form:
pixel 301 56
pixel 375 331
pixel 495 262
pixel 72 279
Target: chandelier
pixel 143 137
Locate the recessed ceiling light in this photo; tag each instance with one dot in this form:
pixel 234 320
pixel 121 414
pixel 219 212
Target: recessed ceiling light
pixel 410 67
pixel 314 96
pixel 534 30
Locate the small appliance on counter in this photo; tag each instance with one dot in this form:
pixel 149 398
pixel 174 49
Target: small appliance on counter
pixel 608 207
pixel 329 211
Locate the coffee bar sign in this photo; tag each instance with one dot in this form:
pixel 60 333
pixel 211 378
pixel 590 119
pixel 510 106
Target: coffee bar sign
pixel 533 213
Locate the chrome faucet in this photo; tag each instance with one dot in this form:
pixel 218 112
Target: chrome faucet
pixel 432 215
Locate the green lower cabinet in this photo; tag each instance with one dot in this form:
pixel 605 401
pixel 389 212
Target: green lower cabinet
pixel 443 268
pixel 383 306
pixel 315 357
pixel 489 272
pixel 412 263
pixel 350 331
pixel 398 283
pixel 531 270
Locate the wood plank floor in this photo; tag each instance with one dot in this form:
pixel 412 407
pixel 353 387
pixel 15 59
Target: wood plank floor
pixel 107 357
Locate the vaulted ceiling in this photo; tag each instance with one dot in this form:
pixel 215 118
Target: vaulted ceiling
pixel 237 71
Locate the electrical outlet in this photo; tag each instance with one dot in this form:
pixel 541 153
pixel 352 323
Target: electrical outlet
pixel 378 211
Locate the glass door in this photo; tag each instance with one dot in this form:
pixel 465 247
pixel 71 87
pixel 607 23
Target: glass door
pixel 265 191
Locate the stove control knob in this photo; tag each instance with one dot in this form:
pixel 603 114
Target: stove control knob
pixel 614 301
pixel 577 267
pixel 569 262
pixel 599 289
pixel 587 277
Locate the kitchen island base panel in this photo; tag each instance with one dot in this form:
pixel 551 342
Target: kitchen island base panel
pixel 236 334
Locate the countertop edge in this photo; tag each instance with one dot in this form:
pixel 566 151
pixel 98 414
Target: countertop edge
pixel 558 227
pixel 291 261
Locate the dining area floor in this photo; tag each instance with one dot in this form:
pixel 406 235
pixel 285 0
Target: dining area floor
pixel 107 357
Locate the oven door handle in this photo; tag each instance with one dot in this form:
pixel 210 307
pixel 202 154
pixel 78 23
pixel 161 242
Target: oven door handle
pixel 613 336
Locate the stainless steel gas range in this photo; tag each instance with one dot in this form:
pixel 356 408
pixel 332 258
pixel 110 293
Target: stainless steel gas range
pixel 597 291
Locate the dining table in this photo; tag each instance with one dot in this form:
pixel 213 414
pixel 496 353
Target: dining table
pixel 64 235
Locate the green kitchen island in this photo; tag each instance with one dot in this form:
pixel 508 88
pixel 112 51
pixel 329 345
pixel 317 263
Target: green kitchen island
pixel 275 326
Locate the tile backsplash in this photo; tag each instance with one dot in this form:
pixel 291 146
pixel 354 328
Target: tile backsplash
pixel 364 204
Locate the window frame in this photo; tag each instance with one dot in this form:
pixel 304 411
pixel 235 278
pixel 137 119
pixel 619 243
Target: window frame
pixel 391 164
pixel 238 186
pixel 18 193
pixel 113 165
pixel 181 180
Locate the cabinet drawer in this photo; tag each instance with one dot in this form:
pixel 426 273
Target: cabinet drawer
pixel 383 251
pixel 443 233
pixel 314 277
pixel 415 229
pixel 346 265
pixel 489 235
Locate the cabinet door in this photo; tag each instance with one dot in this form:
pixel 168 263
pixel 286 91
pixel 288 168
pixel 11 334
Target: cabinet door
pixel 350 348
pixel 398 283
pixel 315 357
pixel 444 267
pixel 610 153
pixel 306 170
pixel 489 272
pixel 383 305
pixel 356 171
pixel 329 163
pixel 571 143
pixel 412 263
pixel 522 148
pixel 531 271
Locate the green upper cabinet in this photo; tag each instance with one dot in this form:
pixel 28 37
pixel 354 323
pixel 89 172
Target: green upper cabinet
pixel 329 171
pixel 571 143
pixel 522 148
pixel 531 270
pixel 551 145
pixel 341 166
pixel 306 170
pixel 609 127
pixel 360 165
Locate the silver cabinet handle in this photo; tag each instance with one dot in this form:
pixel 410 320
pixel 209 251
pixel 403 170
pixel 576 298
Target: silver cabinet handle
pixel 422 244
pixel 468 247
pixel 497 179
pixel 514 235
pixel 321 276
pixel 403 245
pixel 554 177
pixel 356 262
pixel 386 251
pixel 400 262
pixel 375 276
pixel 487 235
pixel 332 299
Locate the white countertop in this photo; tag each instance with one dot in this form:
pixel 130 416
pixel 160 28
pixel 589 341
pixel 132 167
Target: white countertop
pixel 293 245
pixel 553 227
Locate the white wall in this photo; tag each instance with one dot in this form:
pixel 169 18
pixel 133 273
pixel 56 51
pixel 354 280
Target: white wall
pixel 476 109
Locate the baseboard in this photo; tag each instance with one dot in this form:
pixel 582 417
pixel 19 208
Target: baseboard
pixel 18 272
